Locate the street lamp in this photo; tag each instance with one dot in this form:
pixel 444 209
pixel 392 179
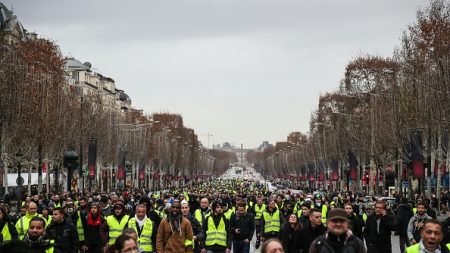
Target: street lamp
pixel 19 180
pixel 70 162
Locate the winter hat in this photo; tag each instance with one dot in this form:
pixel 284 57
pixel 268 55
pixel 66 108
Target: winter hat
pixel 337 214
pixel 215 204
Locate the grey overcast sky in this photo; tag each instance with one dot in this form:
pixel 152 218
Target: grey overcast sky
pixel 242 70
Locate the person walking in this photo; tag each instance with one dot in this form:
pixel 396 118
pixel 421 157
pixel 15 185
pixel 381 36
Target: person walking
pixel 63 232
pixel 431 239
pixel 312 230
pixel 217 231
pixel 94 239
pixel 356 224
pixel 271 220
pixel 198 234
pixel 404 214
pixel 379 227
pixel 338 237
pixel 145 229
pixel 24 221
pixel 242 227
pixel 416 223
pixel 115 223
pixel 175 232
pixel 289 235
pixel 7 228
pixel 36 237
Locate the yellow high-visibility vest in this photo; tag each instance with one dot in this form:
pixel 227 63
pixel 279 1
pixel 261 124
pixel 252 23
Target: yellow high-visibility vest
pixel 80 229
pixel 145 239
pixel 272 222
pixel 199 216
pixel 115 228
pixel 216 235
pixel 6 233
pixel 228 214
pixel 259 211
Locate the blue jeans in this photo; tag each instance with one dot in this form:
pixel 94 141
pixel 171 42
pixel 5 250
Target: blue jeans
pixel 241 246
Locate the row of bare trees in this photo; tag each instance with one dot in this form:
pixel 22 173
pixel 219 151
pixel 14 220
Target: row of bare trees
pixel 41 116
pixel 389 117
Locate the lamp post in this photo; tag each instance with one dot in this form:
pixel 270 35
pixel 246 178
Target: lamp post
pixel 19 180
pixel 70 162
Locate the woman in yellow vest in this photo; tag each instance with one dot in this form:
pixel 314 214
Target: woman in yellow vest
pixel 7 228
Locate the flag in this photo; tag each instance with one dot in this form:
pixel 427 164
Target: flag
pixel 416 154
pixel 121 169
pixel 92 158
pixel 335 170
pixel 353 165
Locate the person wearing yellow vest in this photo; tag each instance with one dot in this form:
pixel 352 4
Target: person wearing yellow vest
pixel 145 229
pixel 7 228
pixel 271 221
pixel 63 232
pixel 24 221
pixel 46 215
pixel 71 211
pixel 115 223
pixel 56 199
pixel 227 212
pixel 319 204
pixel 431 239
pixel 175 234
pixel 36 237
pixel 217 231
pixel 258 209
pixel 203 212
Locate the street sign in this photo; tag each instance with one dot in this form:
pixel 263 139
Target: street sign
pixel 405 184
pixel 20 181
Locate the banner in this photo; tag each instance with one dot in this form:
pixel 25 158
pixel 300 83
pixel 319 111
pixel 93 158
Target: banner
pixel 416 154
pixel 121 166
pixel 335 170
pixel 92 159
pixel 353 165
pixel 142 170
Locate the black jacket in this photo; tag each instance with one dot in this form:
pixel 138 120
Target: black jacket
pixel 379 241
pixel 197 230
pixel 65 236
pixel 308 234
pixel 290 238
pixel 356 225
pixel 246 224
pixel 332 244
pixel 404 214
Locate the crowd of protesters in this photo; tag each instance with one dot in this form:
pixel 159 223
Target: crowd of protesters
pixel 219 217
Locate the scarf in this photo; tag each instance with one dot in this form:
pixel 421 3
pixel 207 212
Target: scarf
pixel 140 222
pixel 41 242
pixel 94 221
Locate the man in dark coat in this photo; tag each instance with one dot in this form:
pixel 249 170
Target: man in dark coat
pixel 312 230
pixel 63 232
pixel 379 227
pixel 242 227
pixel 404 214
